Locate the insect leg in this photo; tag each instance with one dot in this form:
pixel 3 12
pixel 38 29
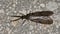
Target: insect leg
pixel 23 22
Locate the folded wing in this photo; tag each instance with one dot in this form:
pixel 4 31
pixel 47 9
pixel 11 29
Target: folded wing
pixel 44 20
pixel 42 13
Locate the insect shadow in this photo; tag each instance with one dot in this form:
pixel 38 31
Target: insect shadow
pixel 42 17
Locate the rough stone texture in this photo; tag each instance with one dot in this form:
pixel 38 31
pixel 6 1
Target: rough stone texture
pixel 16 7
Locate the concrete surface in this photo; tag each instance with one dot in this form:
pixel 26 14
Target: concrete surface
pixel 15 7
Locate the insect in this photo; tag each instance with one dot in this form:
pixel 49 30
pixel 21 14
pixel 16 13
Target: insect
pixel 42 17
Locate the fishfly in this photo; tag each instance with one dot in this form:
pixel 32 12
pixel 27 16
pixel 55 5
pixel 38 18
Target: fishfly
pixel 42 17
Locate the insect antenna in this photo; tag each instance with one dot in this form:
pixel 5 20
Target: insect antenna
pixel 16 19
pixel 17 16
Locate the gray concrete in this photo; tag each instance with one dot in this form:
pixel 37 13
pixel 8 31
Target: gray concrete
pixel 15 7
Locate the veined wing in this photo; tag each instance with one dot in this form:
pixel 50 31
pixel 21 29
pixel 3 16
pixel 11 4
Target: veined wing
pixel 44 20
pixel 42 13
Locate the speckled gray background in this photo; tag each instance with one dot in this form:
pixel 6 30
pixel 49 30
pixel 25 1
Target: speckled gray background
pixel 15 7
